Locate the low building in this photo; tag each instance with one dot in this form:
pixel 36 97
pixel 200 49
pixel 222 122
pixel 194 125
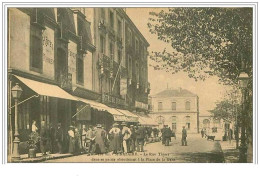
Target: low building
pixel 176 108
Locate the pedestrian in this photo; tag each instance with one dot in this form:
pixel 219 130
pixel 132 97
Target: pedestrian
pixel 34 126
pixel 100 140
pixel 59 138
pixel 90 139
pixel 83 137
pixel 184 137
pixel 140 135
pixel 202 133
pixel 115 138
pixel 126 132
pixel 52 138
pixel 71 135
pixel 44 138
pixel 166 134
pixel 132 139
pixel 78 146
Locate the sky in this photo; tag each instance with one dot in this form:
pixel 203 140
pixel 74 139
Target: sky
pixel 209 91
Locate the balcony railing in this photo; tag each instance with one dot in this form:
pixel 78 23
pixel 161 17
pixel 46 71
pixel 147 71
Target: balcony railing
pixel 65 80
pixel 141 105
pixel 102 26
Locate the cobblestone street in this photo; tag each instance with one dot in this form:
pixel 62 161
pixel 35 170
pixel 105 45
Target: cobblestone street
pixel 199 150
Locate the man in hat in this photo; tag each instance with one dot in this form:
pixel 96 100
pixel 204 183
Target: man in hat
pixel 44 138
pixel 184 136
pixel 140 135
pixel 100 140
pixel 115 137
pixel 166 134
pixel 126 132
pixel 90 138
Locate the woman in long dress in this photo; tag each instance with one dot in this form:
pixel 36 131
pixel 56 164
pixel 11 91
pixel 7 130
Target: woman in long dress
pixel 115 133
pixel 100 140
pixel 71 140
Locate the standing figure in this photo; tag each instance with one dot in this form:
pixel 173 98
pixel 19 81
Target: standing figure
pixel 166 134
pixel 132 139
pixel 77 140
pixel 59 138
pixel 184 136
pixel 202 133
pixel 71 139
pixel 52 138
pixel 34 126
pixel 83 137
pixel 140 135
pixel 126 132
pixel 44 138
pixel 100 140
pixel 90 139
pixel 115 137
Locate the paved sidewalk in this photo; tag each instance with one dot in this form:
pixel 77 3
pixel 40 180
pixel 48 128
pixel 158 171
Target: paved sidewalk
pixel 40 158
pixel 231 154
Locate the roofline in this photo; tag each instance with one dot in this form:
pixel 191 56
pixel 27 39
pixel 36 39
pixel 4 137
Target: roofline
pixel 131 22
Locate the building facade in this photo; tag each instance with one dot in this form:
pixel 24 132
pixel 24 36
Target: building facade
pixel 72 66
pixel 176 108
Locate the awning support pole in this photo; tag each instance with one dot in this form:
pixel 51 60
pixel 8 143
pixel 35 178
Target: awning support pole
pixel 80 110
pixel 36 96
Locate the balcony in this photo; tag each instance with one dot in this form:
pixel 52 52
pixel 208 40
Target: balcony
pixel 141 105
pixel 105 62
pixel 102 26
pixel 119 41
pixel 112 33
pixel 65 80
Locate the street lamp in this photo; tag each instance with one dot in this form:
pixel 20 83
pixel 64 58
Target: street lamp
pixel 16 93
pixel 243 82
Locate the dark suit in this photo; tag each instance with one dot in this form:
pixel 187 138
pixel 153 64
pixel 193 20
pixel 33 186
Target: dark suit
pixel 140 135
pixel 184 136
pixel 59 139
pixel 44 139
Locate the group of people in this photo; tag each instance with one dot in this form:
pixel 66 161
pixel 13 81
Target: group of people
pixel 167 133
pixel 121 138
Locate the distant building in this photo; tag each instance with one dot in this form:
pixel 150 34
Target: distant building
pixel 176 108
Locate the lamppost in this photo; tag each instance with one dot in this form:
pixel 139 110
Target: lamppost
pixel 16 93
pixel 243 82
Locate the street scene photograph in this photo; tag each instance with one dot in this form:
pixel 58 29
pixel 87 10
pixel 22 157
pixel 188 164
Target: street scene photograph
pixel 130 85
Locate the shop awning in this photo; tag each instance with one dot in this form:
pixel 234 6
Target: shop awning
pixel 146 120
pixel 45 89
pixel 130 117
pixel 118 116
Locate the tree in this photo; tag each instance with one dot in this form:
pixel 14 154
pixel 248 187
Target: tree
pixel 204 41
pixel 226 110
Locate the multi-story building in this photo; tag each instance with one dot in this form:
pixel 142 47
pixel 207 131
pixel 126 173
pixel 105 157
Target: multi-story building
pixel 176 108
pixel 72 64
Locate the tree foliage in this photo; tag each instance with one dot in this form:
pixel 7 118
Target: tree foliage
pixel 226 110
pixel 204 41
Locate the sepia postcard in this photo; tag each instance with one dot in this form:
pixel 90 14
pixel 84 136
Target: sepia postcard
pixel 130 84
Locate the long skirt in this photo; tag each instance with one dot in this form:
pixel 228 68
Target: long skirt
pixel 71 145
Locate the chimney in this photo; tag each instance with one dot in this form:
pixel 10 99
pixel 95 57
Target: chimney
pixel 179 89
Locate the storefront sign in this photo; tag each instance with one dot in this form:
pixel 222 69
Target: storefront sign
pixel 72 60
pixel 48 51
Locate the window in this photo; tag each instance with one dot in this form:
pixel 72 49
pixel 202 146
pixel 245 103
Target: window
pixel 136 45
pixel 187 105
pixel 80 71
pixel 36 49
pixel 119 28
pixel 188 122
pixel 111 50
pixel 103 14
pixel 111 19
pixel 119 55
pixel 102 44
pixel 160 106
pixel 130 66
pixel 129 39
pixel 173 105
